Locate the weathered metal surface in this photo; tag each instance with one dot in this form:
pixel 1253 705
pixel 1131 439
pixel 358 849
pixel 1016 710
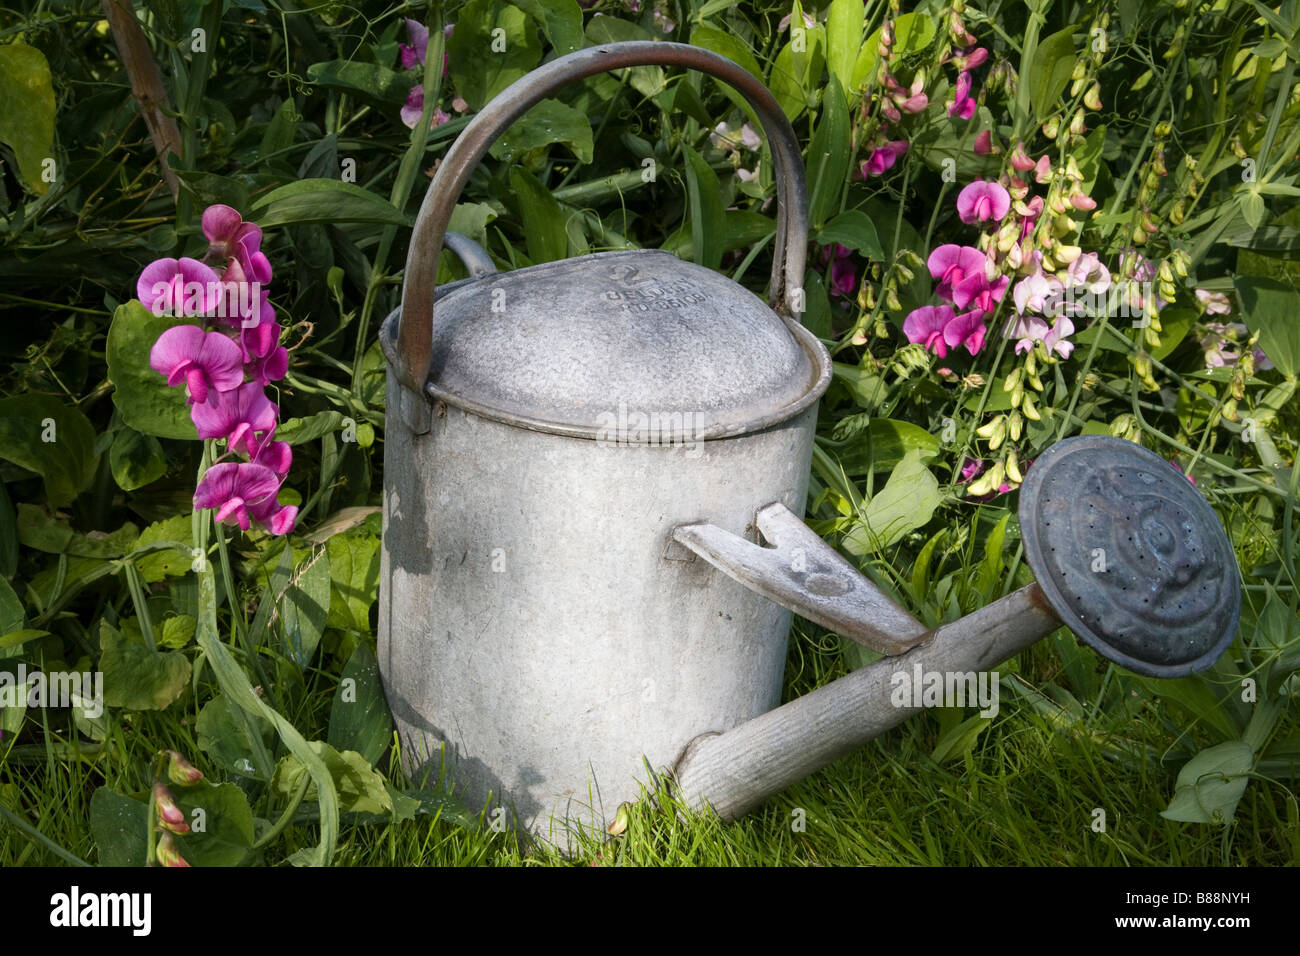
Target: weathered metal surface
pixel 536 615
pixel 415 341
pixel 802 572
pixel 584 346
pixel 1130 555
pixel 735 771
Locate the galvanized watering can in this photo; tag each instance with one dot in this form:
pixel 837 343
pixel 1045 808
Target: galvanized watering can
pixel 581 459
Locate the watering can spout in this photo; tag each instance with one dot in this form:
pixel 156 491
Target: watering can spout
pixel 734 772
pixel 1127 553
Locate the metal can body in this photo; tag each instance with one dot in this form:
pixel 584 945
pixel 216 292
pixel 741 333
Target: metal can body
pixel 536 617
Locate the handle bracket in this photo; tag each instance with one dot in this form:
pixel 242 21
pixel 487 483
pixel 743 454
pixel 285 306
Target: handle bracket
pixel 803 573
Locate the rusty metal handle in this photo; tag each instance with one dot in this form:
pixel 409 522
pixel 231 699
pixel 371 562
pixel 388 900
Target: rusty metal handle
pixel 415 328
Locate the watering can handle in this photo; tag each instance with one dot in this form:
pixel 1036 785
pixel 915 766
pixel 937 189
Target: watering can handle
pixel 415 330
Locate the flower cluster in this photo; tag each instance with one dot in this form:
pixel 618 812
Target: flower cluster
pixel 225 365
pixel 165 816
pixel 969 279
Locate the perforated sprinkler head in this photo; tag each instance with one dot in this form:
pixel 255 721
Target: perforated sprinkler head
pixel 1130 556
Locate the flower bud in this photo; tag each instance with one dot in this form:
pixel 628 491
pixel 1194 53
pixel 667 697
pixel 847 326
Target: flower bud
pixel 1015 425
pixel 1067 254
pixel 166 852
pixel 180 771
pixel 1013 467
pixel 1043 169
pixel 1020 160
pixel 1092 99
pixel 1052 127
pixel 1082 202
pixel 169 816
pixel 1077 124
pixel 1031 412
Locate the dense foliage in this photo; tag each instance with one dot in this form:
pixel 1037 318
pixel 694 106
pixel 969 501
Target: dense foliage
pixel 1029 220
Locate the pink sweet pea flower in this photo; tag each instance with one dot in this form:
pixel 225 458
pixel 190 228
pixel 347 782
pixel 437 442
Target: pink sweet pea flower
pixel 413 55
pixel 178 287
pixel 276 455
pixel 1038 293
pixel 238 416
pixel 1214 303
pixel 225 229
pixel 843 278
pixel 207 362
pixel 1055 340
pixel 1030 329
pixel 234 488
pixel 271 367
pixel 882 158
pixel 951 263
pixel 966 329
pixel 982 200
pixel 963 103
pixel 976 290
pixel 415 105
pixel 924 326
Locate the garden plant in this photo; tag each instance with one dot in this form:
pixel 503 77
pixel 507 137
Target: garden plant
pixel 1030 219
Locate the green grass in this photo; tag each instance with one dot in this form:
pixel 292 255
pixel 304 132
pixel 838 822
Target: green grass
pixel 1024 794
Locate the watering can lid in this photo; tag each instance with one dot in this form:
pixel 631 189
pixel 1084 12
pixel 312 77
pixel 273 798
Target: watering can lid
pixel 585 346
pixel 1130 555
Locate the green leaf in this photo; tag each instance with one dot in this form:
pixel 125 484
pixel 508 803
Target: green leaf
pixel 41 434
pixel 646 80
pixel 360 787
pixel 905 503
pixel 960 740
pixel 1279 242
pixel 471 219
pixel 137 459
pixel 209 189
pixel 354 571
pixel 550 121
pixel 137 678
pixel 279 132
pixel 1253 209
pixel 913 32
pixel 1049 74
pixel 226 738
pixel 305 606
pixel 1271 308
pixel 990 571
pixel 483 64
pixel 560 20
pixel 817 305
pixel 1210 784
pixel 120 827
pixel 37 529
pixel 741 228
pixel 1195 696
pixel 1175 323
pixel 143 396
pixel 853 228
pixel 543 221
pixel 844 40
pixel 359 718
pixel 325 200
pixel 8 535
pixel 155 566
pixel 301 431
pixel 226 819
pixel 177 631
pixel 829 156
pixel 704 202
pixel 708 37
pixel 27 120
pixel 369 80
